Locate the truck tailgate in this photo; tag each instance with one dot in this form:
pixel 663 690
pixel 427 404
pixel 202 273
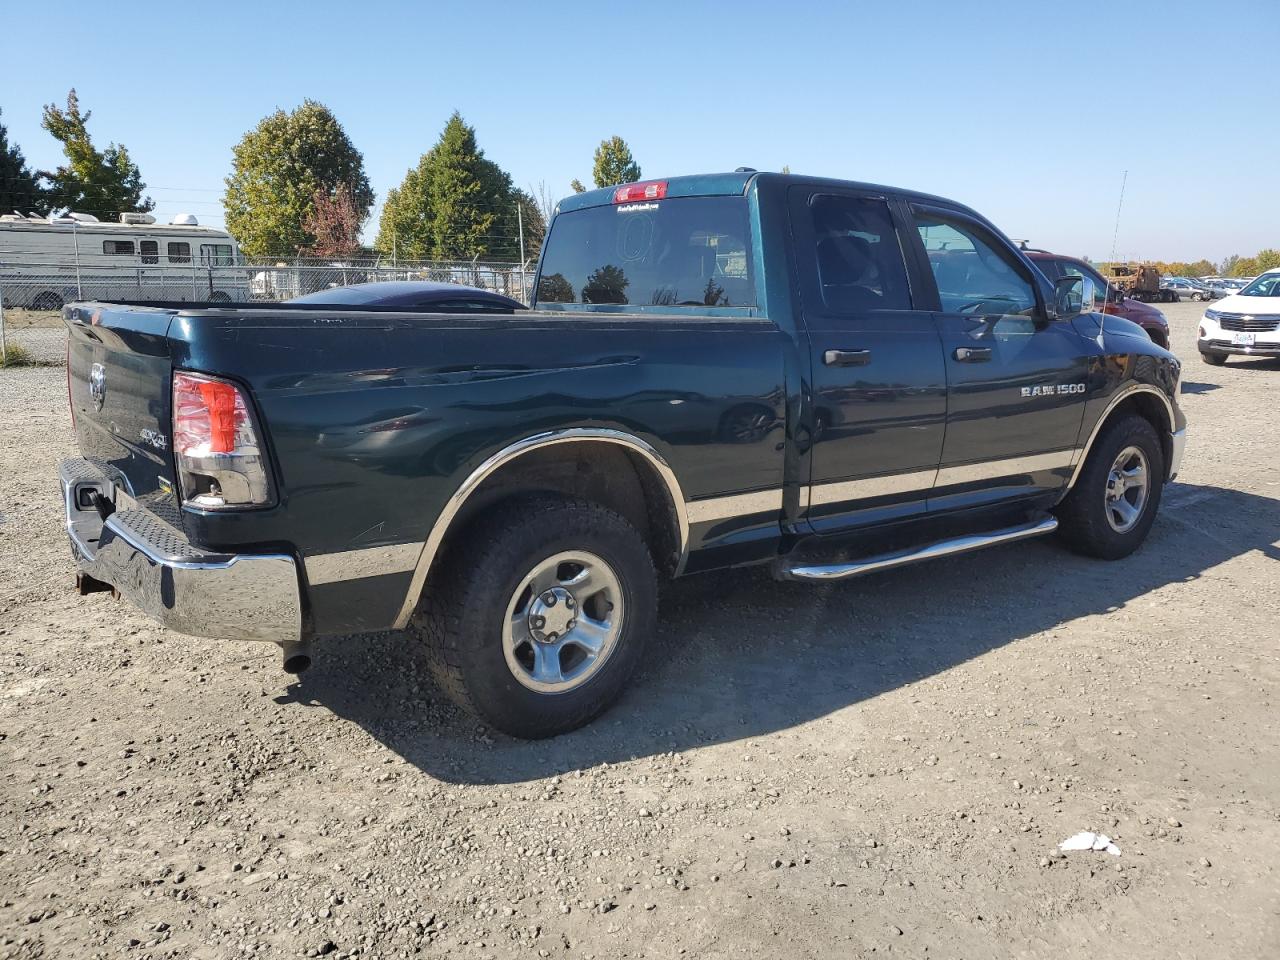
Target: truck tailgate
pixel 118 381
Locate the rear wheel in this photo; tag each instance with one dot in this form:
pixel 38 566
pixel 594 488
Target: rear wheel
pixel 1213 359
pixel 47 300
pixel 541 614
pixel 1114 502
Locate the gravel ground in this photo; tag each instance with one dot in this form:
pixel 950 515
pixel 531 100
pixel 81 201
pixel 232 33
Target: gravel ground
pixel 884 766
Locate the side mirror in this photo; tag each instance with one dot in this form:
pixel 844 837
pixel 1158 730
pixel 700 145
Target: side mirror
pixel 1073 296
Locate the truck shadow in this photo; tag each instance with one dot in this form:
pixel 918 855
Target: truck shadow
pixel 740 655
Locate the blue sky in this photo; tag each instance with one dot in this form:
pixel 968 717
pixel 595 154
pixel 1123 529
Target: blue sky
pixel 1029 112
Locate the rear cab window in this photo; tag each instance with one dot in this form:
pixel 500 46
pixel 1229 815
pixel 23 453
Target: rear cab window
pixel 672 252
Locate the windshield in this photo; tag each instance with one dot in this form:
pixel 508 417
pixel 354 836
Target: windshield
pixel 1267 285
pixel 687 251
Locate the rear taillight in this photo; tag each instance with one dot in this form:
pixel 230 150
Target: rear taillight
pixel 215 445
pixel 634 192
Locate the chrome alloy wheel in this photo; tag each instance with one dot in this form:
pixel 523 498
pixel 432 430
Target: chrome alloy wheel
pixel 563 622
pixel 1128 487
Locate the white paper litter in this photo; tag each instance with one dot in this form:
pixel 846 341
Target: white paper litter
pixel 1084 840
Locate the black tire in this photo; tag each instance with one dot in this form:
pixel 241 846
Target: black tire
pixel 47 300
pixel 462 615
pixel 1082 516
pixel 1213 359
pixel 219 296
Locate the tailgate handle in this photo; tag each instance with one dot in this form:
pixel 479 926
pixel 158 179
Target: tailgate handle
pixel 846 358
pixel 973 354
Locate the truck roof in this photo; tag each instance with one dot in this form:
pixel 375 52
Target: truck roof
pixel 737 183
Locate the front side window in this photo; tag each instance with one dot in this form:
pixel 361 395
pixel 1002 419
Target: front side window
pixel 860 264
pixel 150 251
pixel 1267 285
pixel 118 248
pixel 678 252
pixel 974 273
pixel 179 252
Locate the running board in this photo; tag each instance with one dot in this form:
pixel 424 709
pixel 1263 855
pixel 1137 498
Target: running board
pixel 888 561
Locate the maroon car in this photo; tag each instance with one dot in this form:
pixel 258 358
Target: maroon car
pixel 1150 319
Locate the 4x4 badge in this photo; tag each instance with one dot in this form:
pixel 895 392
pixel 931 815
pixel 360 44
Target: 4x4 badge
pixel 97 385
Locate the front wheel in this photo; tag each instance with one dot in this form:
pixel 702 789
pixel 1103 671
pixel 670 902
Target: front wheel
pixel 1114 502
pixel 541 614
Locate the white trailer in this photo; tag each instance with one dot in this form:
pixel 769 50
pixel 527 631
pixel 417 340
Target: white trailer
pixel 46 262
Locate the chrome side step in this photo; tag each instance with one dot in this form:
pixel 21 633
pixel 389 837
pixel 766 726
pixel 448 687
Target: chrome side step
pixel 888 561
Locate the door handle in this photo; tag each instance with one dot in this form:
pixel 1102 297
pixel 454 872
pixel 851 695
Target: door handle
pixel 973 354
pixel 846 358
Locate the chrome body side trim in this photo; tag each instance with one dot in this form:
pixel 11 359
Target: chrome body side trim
pixel 1179 448
pixel 365 562
pixel 735 505
pixel 517 449
pixel 227 596
pixel 1011 467
pixel 866 488
pixel 1122 395
pixel 889 561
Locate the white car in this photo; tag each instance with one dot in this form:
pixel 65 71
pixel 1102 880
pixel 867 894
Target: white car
pixel 1245 323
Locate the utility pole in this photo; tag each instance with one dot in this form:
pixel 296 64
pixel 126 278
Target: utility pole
pixel 520 226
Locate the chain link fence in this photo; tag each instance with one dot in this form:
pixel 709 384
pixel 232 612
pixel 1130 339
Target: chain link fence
pixel 34 288
pixel 46 283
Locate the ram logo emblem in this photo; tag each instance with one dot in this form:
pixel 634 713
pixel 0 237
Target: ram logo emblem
pixel 1053 390
pixel 97 385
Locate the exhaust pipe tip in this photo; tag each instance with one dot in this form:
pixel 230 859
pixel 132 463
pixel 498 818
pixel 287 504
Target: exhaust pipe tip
pixel 297 657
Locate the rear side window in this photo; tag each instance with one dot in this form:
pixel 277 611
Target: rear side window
pixel 118 248
pixel 150 251
pixel 975 274
pixel 860 265
pixel 686 251
pixel 179 252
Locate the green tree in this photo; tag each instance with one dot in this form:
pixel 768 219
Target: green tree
pixel 277 170
pixel 1238 266
pixel 614 164
pixel 606 284
pixel 20 187
pixel 456 204
pixel 405 228
pixel 555 288
pixel 535 225
pixel 576 186
pixel 104 183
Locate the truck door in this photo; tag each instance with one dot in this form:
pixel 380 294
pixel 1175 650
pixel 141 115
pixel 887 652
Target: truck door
pixel 1016 381
pixel 878 407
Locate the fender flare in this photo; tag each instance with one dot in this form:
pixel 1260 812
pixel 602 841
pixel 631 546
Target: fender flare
pixel 512 452
pixel 1124 393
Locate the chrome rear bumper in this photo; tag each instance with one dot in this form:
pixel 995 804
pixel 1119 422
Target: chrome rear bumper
pixel 190 590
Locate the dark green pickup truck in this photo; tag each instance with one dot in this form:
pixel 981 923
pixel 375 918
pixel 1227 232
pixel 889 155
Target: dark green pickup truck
pixel 750 368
